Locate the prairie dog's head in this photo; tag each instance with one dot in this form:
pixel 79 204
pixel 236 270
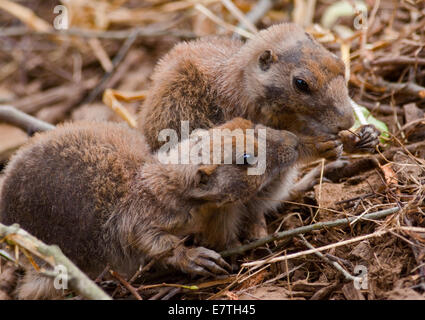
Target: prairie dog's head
pixel 232 162
pixel 295 83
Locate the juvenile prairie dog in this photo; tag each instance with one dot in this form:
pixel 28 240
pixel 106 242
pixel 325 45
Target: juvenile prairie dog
pixel 97 191
pixel 281 78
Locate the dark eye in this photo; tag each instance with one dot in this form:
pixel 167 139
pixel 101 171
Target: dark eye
pixel 301 85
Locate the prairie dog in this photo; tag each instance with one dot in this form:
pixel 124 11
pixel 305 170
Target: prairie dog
pixel 281 78
pixel 97 191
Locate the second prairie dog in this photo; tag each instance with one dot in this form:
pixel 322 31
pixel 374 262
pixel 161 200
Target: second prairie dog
pixel 281 78
pixel 95 190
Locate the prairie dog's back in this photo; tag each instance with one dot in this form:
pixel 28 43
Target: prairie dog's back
pixel 79 171
pixel 206 52
pixel 183 88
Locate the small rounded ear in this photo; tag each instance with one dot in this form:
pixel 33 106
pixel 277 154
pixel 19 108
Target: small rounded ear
pixel 203 174
pixel 266 59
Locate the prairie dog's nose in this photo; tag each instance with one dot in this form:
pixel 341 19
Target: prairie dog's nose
pixel 342 110
pixel 347 121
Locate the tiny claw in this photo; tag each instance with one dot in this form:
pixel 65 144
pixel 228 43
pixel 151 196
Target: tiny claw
pixel 365 139
pixel 195 269
pixel 212 255
pixel 213 267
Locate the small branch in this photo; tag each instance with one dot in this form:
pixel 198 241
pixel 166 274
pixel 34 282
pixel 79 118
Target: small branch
pixel 115 62
pixel 213 17
pixel 244 22
pixel 304 229
pixel 398 60
pixel 25 14
pixel 85 33
pixel 260 263
pixel 382 108
pixel 126 284
pixel 22 120
pixel 53 256
pixel 337 266
pixel 259 11
pixel 406 88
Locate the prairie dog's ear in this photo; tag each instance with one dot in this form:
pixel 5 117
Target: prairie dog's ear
pixel 266 59
pixel 203 174
pixel 236 123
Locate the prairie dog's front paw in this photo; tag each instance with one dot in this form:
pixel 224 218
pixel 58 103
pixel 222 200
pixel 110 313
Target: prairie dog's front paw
pixel 364 140
pixel 313 147
pixel 198 261
pixel 330 149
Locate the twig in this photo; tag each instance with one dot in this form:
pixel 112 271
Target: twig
pixel 259 263
pixel 243 21
pixel 126 284
pixel 305 229
pixel 53 256
pixel 175 285
pixel 208 13
pixel 406 88
pixel 85 33
pixel 102 274
pixel 337 266
pixel 398 60
pixel 22 120
pixel 100 54
pixel 382 108
pixel 115 62
pixel 34 102
pixel 171 293
pixel 25 14
pixel 259 11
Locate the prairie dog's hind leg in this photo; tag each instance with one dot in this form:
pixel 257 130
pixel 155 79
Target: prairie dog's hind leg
pixel 35 286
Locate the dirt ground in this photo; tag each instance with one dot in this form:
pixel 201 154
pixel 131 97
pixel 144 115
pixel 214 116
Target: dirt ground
pixel 59 78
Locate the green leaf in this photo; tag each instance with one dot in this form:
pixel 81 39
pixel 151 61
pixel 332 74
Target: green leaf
pixel 369 120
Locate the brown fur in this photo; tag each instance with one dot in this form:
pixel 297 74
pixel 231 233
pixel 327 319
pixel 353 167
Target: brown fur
pixel 212 80
pixel 96 191
pixel 35 286
pixel 8 279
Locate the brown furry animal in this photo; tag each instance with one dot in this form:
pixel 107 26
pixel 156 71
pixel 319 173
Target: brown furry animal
pixel 281 78
pixel 97 191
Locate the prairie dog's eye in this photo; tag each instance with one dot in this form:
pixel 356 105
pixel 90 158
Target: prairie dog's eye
pixel 301 85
